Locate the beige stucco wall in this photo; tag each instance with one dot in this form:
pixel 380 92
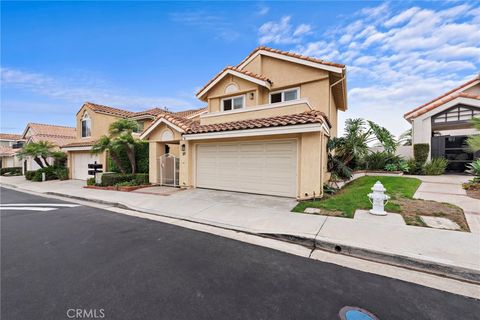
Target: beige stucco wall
pixel 99 122
pixel 254 114
pixel 309 168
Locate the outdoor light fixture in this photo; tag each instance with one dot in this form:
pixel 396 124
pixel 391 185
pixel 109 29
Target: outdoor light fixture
pixel 183 148
pixel 251 95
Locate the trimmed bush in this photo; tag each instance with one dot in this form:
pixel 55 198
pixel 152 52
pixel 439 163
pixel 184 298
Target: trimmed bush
pixel 141 158
pixel 112 179
pixel 420 152
pixel 13 171
pixel 61 173
pixel 435 167
pixel 90 181
pixel 29 174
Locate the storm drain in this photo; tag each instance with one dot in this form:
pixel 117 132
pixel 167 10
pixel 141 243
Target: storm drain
pixel 355 313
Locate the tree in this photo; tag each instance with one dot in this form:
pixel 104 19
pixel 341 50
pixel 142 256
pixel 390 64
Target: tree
pixel 106 144
pixel 405 139
pixel 38 151
pixel 121 132
pixel 358 135
pixel 473 141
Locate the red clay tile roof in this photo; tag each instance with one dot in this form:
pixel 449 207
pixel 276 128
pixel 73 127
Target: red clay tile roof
pixel 245 72
pixel 150 112
pixel 10 136
pixel 85 143
pixel 108 110
pixel 58 135
pixel 293 55
pixel 277 121
pixel 440 102
pixel 448 96
pixel 7 151
pixel 191 113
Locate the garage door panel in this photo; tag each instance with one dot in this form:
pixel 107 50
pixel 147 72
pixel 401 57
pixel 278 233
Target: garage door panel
pixel 259 167
pixel 81 160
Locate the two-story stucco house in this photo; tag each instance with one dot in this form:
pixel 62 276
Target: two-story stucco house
pixel 10 144
pixel 265 130
pixel 445 123
pixel 92 122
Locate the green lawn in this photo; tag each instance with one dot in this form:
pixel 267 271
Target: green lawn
pixel 354 195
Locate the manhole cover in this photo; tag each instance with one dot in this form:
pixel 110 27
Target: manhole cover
pixel 355 313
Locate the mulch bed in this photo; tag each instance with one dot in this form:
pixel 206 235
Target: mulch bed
pixel 412 209
pixel 473 194
pixel 118 188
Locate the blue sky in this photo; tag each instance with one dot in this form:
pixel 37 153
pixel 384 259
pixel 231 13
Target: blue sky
pixel 136 55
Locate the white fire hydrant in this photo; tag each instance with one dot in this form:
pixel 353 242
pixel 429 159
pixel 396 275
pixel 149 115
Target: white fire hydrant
pixel 377 198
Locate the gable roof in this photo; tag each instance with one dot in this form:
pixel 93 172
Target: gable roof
pixel 244 74
pixel 107 110
pixel 335 67
pixel 191 113
pixel 444 98
pixel 10 136
pixel 58 135
pixel 7 151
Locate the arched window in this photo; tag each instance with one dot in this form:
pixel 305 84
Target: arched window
pixel 86 125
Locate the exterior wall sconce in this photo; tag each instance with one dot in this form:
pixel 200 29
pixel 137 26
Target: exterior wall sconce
pixel 251 95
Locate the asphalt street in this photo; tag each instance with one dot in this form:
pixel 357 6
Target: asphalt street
pixel 113 266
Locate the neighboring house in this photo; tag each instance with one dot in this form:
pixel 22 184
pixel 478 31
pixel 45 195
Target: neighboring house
pixel 266 129
pixel 92 122
pixel 10 144
pixel 444 123
pixel 57 135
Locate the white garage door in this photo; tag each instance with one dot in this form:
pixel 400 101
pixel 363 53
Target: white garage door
pixel 256 167
pixel 80 164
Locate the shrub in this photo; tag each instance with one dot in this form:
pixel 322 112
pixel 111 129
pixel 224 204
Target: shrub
pixel 37 176
pixel 13 171
pixel 380 159
pixel 141 159
pixel 420 152
pixel 413 166
pixel 50 174
pixel 29 174
pixel 435 167
pixel 90 181
pixel 391 167
pixel 474 168
pixel 112 179
pixel 61 173
pixel 404 166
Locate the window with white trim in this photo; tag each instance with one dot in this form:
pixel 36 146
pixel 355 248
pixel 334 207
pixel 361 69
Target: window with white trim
pixel 86 125
pixel 284 95
pixel 233 103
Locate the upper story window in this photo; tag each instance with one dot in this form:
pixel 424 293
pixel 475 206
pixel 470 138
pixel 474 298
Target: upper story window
pixel 86 125
pixel 455 114
pixel 284 95
pixel 233 103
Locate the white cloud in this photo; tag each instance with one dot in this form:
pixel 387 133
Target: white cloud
pixel 398 58
pixel 263 10
pixel 79 90
pixel 282 32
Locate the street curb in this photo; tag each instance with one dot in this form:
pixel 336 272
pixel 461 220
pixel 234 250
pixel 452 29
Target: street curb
pixel 436 268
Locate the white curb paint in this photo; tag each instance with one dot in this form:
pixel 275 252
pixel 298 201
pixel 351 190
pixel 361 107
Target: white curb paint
pixel 39 205
pixel 27 208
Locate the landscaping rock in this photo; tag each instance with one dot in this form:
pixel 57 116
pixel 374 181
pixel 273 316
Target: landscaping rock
pixel 312 210
pixel 440 223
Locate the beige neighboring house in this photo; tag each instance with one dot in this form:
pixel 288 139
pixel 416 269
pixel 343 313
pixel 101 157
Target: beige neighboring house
pixel 265 131
pixel 36 132
pixel 10 144
pixel 444 124
pixel 92 122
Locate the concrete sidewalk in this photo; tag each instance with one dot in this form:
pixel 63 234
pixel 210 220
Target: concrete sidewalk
pixel 448 188
pixel 452 253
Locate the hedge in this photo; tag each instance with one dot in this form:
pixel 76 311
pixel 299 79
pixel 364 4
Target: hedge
pixel 29 174
pixel 420 152
pixel 11 171
pixel 141 157
pixel 51 173
pixel 111 179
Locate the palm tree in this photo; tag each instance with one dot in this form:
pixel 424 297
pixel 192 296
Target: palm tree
pixel 106 144
pixel 38 151
pixel 121 131
pixel 473 141
pixel 405 139
pixel 358 135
